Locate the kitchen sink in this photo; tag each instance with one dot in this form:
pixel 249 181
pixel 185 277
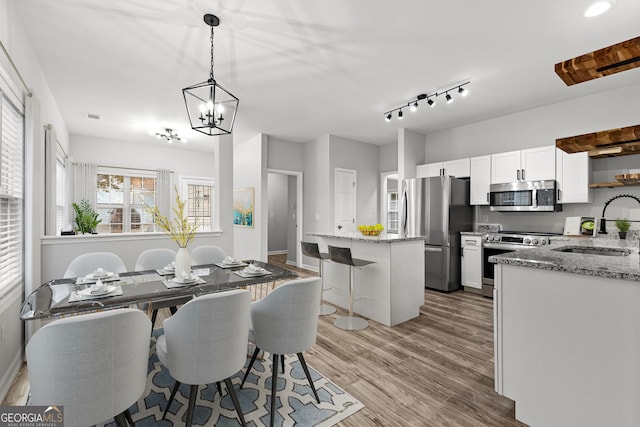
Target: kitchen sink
pixel 593 250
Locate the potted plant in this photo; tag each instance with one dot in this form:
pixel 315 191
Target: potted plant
pixel 623 226
pixel 86 218
pixel 179 230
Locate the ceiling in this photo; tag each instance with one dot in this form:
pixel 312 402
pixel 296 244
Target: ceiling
pixel 306 69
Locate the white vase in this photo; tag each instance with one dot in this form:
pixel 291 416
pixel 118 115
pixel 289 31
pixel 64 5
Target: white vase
pixel 183 261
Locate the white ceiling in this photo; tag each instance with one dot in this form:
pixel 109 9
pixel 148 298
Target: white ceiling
pixel 308 68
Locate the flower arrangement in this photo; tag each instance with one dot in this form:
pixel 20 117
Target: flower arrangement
pixel 371 230
pixel 179 230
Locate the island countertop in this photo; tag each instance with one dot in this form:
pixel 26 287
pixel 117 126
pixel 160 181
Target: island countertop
pixel 546 258
pixel 382 238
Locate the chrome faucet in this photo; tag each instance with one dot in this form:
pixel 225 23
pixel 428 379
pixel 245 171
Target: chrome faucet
pixel 603 221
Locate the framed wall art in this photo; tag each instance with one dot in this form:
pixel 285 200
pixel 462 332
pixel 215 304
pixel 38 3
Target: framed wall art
pixel 243 207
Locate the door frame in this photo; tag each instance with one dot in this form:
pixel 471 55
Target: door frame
pixel 335 193
pixel 299 210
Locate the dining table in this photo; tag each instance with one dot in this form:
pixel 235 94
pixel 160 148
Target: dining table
pixel 69 296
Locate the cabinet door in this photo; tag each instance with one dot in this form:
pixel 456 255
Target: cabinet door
pixel 429 170
pixel 538 164
pixel 480 172
pixel 505 167
pixel 573 175
pixel 458 168
pixel 471 263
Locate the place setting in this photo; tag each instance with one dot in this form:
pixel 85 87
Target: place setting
pixel 184 279
pixel 99 274
pixel 99 289
pixel 167 269
pixel 230 262
pixel 252 270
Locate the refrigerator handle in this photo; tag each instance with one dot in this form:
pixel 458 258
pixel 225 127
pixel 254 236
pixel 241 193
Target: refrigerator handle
pixel 404 212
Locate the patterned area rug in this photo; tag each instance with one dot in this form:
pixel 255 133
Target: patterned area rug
pixel 295 403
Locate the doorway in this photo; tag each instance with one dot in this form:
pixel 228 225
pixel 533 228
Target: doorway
pixel 345 201
pixel 284 218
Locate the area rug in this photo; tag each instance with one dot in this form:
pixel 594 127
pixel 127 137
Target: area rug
pixel 295 403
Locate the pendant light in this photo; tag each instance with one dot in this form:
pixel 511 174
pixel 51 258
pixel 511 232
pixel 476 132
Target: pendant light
pixel 211 108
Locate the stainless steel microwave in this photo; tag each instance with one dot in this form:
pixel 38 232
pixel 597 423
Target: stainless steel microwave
pixel 524 196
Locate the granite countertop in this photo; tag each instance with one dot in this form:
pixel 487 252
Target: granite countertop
pixel 471 233
pixel 546 258
pixel 382 238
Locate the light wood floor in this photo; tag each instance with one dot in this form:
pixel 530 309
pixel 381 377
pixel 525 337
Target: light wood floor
pixel 435 370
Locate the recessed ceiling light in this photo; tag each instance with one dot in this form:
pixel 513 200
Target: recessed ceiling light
pixel 598 8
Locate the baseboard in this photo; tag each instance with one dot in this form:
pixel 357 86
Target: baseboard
pixel 310 268
pixel 293 263
pixel 10 375
pixel 278 252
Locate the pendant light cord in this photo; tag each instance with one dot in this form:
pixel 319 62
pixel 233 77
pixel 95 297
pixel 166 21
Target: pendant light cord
pixel 211 73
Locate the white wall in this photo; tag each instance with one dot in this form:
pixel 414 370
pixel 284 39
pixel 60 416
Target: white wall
pixel 411 153
pixel 285 155
pixel 389 157
pixel 250 170
pixel 278 189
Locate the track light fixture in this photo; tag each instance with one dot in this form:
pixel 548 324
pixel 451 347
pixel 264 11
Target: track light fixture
pixel 169 135
pixel 431 100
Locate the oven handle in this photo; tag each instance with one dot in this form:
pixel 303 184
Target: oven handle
pixel 506 246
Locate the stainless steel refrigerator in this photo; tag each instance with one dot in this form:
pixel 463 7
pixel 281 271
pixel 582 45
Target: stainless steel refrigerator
pixel 438 209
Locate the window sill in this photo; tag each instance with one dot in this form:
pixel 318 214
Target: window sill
pixel 118 237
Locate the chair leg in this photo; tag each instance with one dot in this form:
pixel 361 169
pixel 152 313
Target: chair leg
pixel 176 386
pixel 282 362
pixel 234 398
pixel 306 372
pixel 127 415
pixel 253 359
pixel 193 394
pixel 173 309
pixel 120 420
pixel 153 318
pixel 219 388
pixel 274 381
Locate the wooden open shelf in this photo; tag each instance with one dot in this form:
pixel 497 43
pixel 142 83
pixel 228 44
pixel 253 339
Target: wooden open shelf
pixel 610 184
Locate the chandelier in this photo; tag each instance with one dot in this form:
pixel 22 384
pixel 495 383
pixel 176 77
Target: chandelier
pixel 170 136
pixel 211 108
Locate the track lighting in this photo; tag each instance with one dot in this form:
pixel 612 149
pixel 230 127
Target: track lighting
pixel 431 100
pixel 169 135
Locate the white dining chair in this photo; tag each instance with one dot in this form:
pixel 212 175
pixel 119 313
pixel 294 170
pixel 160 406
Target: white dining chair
pixel 205 342
pixel 286 322
pixel 152 259
pixel 88 263
pixel 95 365
pixel 207 254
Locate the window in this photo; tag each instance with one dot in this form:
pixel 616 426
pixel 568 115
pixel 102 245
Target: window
pixel 11 195
pixel 392 214
pixel 199 195
pixel 120 201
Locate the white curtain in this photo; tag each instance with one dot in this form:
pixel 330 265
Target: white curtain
pixel 164 194
pixel 84 182
pixel 50 180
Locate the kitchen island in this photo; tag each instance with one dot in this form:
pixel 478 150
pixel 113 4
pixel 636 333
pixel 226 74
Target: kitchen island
pixel 567 332
pixel 391 290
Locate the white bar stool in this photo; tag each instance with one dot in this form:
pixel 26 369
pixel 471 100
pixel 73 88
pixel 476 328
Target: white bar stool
pixel 343 256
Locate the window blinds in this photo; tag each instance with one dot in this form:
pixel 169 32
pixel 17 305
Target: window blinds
pixel 11 194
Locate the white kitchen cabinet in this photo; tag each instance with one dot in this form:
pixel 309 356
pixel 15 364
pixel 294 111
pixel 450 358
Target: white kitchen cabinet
pixel 534 164
pixel 459 168
pixel 573 172
pixel 480 172
pixel 471 261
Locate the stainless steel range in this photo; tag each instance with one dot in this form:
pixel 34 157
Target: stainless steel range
pixel 503 242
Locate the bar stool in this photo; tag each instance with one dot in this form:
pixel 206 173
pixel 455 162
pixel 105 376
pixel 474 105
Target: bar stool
pixel 343 256
pixel 312 250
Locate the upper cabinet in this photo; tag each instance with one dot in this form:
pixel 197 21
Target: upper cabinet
pixel 458 168
pixel 480 180
pixel 573 173
pixel 534 164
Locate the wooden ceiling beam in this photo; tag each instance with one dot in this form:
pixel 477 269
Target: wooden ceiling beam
pixel 606 143
pixel 603 62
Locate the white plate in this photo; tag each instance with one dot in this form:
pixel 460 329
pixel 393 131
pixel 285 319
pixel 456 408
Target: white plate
pixel 184 281
pixel 254 272
pixel 99 276
pixel 232 263
pixel 168 268
pixel 92 293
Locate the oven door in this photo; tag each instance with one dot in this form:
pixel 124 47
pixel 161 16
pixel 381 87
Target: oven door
pixel 490 249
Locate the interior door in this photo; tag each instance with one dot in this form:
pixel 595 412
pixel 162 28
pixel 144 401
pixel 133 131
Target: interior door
pixel 345 200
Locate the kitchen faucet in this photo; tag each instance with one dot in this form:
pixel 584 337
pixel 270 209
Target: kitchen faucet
pixel 603 221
